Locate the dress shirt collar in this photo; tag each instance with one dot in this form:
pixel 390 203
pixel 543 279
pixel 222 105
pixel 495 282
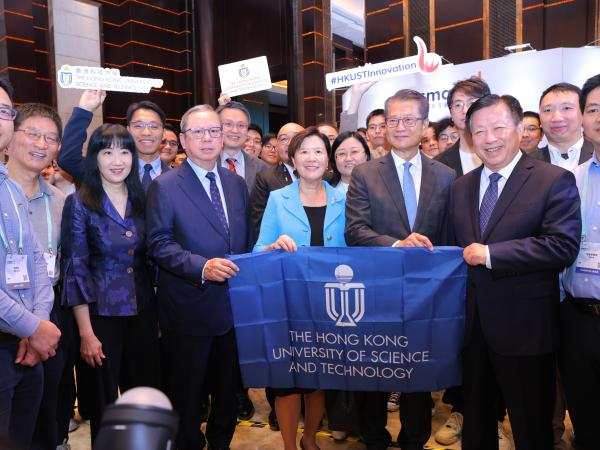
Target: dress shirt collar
pixel 506 170
pixel 415 161
pixel 200 172
pixel 156 165
pixel 239 156
pixel 573 149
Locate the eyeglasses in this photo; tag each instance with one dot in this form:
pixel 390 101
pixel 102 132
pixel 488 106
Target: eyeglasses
pixel 140 126
pixel 34 135
pixel 459 104
pixel 408 122
pixel 269 146
pixel 377 127
pixel 169 143
pixel 531 129
pixel 283 139
pixel 256 141
pixel 343 154
pixel 239 125
pixel 448 137
pixel 198 133
pixel 7 113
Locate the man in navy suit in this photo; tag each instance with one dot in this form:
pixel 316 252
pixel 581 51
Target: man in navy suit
pixel 518 220
pixel 195 216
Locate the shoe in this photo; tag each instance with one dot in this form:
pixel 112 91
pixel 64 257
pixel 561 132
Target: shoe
pixel 63 446
pixel 273 423
pixel 73 425
pixel 245 407
pixel 451 431
pixel 302 444
pixel 504 442
pixel 339 436
pixel 393 403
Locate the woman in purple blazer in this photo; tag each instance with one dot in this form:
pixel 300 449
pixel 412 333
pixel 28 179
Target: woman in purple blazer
pixel 107 279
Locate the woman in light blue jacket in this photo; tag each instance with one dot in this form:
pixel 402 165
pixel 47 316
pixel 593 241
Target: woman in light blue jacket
pixel 309 212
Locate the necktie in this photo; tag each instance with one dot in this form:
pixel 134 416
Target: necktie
pixel 215 198
pixel 489 201
pixel 231 162
pixel 146 178
pixel 410 195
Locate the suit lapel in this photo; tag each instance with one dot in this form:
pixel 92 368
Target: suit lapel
pixel 454 155
pixel 334 206
pixel 293 204
pixel 512 187
pixel 389 176
pixel 426 190
pixel 112 212
pixel 282 175
pixel 587 149
pixel 473 201
pixel 193 189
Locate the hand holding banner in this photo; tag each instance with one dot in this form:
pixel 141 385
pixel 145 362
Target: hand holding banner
pixel 331 318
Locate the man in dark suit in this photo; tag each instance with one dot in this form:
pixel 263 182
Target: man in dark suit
pixel 519 221
pixel 145 122
pixel 461 156
pixel 561 120
pixel 399 200
pixel 195 216
pixel 274 178
pixel 236 119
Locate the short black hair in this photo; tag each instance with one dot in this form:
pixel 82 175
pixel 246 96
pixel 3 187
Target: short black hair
pixel 589 85
pixel 28 110
pixel 532 114
pixel 267 137
pixel 234 105
pixel 441 125
pixel 561 87
pixel 409 95
pixel 256 128
pixel 473 86
pixel 145 104
pixel 374 113
pixel 337 176
pixel 5 84
pixel 169 127
pixel 491 100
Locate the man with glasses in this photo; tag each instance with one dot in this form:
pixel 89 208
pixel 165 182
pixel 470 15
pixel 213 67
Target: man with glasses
pixel 532 132
pixel 461 156
pixel 236 119
pixel 399 200
pixel 376 133
pixel 169 146
pixel 145 122
pixel 253 142
pixel 26 334
pixel 446 134
pixel 561 121
pixel 196 215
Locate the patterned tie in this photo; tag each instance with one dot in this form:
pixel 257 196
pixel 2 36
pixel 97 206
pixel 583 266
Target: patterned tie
pixel 410 195
pixel 489 201
pixel 215 198
pixel 231 162
pixel 146 178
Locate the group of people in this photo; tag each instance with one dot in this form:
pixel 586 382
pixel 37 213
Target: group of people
pixel 119 268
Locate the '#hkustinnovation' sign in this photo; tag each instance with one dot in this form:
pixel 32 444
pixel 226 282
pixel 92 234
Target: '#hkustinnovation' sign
pixel 243 77
pixel 108 79
pixel 359 318
pixel 423 62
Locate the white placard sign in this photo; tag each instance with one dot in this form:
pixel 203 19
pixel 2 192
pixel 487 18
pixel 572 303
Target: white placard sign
pixel 422 62
pixel 243 77
pixel 108 79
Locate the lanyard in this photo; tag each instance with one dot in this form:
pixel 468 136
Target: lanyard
pixel 2 234
pixel 48 222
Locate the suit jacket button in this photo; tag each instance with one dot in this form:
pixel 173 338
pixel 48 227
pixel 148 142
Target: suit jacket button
pixel 329 237
pixel 129 233
pixel 130 252
pixel 130 270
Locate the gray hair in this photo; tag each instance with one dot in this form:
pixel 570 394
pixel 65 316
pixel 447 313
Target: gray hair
pixel 192 110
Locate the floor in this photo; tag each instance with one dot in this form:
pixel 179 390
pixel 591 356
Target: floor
pixel 256 435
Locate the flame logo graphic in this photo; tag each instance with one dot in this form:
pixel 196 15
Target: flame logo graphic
pixel 428 62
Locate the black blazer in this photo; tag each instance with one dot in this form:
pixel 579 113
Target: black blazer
pixel 543 154
pixel 532 235
pixel 267 180
pixel 451 158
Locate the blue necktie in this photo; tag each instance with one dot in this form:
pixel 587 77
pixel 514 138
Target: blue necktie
pixel 489 201
pixel 410 195
pixel 215 198
pixel 146 179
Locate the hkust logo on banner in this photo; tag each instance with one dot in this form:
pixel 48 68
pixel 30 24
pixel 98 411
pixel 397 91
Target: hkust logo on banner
pixel 108 79
pixel 423 62
pixel 338 295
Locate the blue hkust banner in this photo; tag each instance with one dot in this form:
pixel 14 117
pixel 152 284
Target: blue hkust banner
pixel 359 319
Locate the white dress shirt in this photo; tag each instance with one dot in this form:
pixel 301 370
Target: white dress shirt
pixel 239 164
pixel 573 152
pixel 468 161
pixel 201 174
pixel 156 167
pixel 415 170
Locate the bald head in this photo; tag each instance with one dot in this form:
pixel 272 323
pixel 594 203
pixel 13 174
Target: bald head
pixel 285 135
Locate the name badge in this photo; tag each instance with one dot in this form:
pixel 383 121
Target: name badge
pixel 50 259
pixel 15 271
pixel 588 260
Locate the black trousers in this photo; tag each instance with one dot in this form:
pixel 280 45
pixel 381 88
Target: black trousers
pixel 197 365
pixel 131 348
pixel 528 385
pixel 579 362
